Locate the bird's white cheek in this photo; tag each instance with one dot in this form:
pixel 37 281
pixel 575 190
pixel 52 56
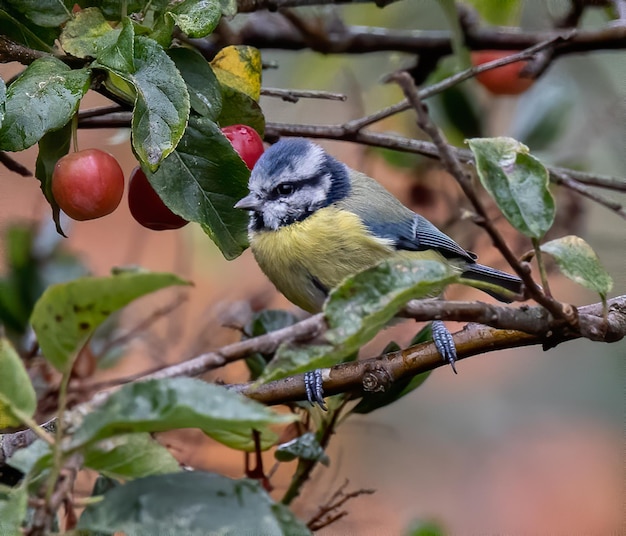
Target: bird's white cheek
pixel 274 214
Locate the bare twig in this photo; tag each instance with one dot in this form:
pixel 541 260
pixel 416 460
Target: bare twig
pixel 328 512
pixel 564 180
pixel 601 181
pixel 13 165
pixel 361 39
pixel 294 95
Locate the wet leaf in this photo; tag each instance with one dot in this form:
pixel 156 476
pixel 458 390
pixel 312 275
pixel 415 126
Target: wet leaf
pixel 68 313
pixel 42 99
pixel 517 181
pixel 579 262
pixel 169 404
pixel 16 390
pixel 191 503
pixel 202 180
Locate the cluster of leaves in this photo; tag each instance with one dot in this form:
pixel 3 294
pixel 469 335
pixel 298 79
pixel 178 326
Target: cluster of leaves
pixel 114 439
pixel 126 51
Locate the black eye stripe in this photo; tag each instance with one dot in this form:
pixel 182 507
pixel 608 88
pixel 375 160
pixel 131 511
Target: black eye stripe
pixel 289 187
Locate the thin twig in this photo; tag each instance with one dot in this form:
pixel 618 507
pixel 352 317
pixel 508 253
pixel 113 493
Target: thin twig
pixel 327 513
pixel 564 180
pixel 13 165
pixel 591 179
pixel 294 95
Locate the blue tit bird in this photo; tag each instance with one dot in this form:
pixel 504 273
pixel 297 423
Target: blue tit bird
pixel 314 221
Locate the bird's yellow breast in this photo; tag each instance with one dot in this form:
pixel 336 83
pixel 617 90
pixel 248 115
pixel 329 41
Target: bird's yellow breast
pixel 304 258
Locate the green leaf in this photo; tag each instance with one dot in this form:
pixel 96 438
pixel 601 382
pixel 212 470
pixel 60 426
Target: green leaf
pixel 19 289
pixel 42 99
pixel 29 35
pixel 240 109
pixel 68 313
pixel 162 106
pixel 32 459
pixel 197 18
pixel 205 96
pixel 161 102
pixel 517 181
pixel 130 456
pixel 80 35
pixel 193 504
pixel 16 390
pixel 116 49
pixel 45 13
pixel 52 146
pixel 358 309
pixel 13 504
pixel 577 260
pixel 261 323
pixel 202 180
pixel 305 447
pixel 169 404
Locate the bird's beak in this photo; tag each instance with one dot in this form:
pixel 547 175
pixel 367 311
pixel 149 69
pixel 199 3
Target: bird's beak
pixel 250 202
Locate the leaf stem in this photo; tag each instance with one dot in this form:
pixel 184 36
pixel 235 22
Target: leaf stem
pixel 57 453
pixel 542 267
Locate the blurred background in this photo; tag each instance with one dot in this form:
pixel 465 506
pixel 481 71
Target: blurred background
pixel 519 442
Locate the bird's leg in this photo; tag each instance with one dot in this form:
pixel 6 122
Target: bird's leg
pixel 444 342
pixel 313 381
pixel 313 384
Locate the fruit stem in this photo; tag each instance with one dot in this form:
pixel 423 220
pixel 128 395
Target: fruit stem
pixel 75 133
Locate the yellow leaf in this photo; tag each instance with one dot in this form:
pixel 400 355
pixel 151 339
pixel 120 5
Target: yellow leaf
pixel 239 67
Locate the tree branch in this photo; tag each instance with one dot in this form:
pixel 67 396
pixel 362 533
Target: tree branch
pixel 376 374
pixel 361 39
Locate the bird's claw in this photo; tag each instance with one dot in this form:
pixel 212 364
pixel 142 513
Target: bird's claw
pixel 313 384
pixel 444 342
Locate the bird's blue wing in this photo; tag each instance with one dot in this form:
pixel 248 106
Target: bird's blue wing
pixel 387 218
pixel 427 236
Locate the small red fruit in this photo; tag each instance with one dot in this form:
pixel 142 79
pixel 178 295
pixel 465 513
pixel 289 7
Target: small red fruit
pixel 87 184
pixel 146 206
pixel 503 80
pixel 246 141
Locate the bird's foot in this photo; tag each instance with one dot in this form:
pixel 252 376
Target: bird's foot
pixel 313 384
pixel 444 342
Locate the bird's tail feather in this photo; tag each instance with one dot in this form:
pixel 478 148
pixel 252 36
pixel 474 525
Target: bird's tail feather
pixel 479 272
